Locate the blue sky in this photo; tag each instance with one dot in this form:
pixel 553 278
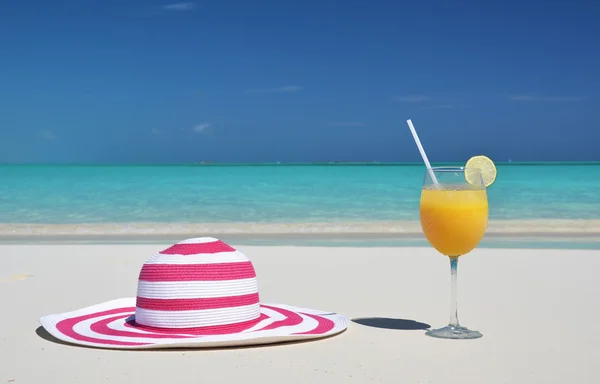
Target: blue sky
pixel 148 81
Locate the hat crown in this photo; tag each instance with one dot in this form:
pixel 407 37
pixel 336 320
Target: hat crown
pixel 196 283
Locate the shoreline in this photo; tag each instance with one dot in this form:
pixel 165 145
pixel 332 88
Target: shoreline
pixel 392 233
pixel 405 227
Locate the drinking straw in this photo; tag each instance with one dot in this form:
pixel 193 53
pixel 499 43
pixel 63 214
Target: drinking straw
pixel 423 155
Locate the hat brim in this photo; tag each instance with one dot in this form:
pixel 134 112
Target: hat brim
pixel 112 325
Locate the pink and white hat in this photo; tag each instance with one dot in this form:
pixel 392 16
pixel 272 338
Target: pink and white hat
pixel 198 293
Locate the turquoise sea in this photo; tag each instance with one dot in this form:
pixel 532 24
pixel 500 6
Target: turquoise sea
pixel 275 194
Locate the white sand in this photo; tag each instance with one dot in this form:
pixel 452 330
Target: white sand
pixel 538 311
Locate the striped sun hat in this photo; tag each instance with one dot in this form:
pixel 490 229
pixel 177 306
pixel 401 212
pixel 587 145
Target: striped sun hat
pixel 200 292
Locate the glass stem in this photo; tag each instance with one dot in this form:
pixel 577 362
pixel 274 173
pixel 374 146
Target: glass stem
pixel 453 292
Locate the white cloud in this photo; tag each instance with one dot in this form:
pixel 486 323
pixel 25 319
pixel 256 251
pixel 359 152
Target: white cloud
pixel 411 99
pixel 46 135
pixel 201 128
pixel 546 98
pixel 156 131
pixel 179 7
pixel 346 124
pixel 286 89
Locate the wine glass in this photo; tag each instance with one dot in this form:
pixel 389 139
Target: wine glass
pixel 454 218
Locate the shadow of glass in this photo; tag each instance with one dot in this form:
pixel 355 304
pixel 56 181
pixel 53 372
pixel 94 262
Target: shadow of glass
pixel 389 323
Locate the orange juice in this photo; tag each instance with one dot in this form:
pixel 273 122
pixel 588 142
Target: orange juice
pixel 453 220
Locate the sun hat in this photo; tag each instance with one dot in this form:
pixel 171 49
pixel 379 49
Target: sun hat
pixel 197 293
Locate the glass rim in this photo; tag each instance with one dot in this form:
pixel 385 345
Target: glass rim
pixel 454 169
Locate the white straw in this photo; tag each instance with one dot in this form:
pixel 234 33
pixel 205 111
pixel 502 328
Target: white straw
pixel 423 155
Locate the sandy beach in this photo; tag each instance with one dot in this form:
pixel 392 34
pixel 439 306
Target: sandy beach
pixel 534 308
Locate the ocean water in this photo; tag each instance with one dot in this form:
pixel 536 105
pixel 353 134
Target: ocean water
pixel 31 194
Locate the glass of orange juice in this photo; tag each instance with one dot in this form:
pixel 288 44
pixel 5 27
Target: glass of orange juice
pixel 454 217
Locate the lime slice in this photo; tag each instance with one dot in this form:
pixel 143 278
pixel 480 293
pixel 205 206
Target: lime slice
pixel 487 168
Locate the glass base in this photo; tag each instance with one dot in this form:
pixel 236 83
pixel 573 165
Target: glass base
pixel 454 332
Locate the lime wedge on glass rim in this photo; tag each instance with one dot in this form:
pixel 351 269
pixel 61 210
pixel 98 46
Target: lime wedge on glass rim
pixel 487 168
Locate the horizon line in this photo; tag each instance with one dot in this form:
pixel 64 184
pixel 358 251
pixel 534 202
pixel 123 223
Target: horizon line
pixel 292 163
